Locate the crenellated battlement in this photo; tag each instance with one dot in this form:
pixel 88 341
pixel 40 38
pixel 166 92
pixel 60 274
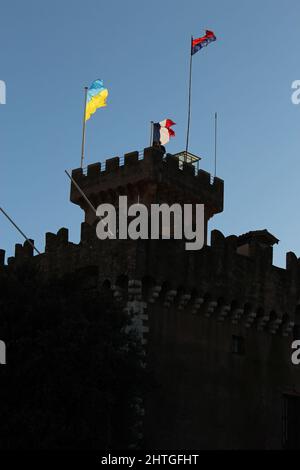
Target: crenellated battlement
pixel 123 166
pixel 232 278
pixel 218 281
pixel 221 246
pixel 148 176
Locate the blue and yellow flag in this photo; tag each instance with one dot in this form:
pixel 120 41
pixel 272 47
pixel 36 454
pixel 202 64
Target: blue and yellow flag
pixel 96 98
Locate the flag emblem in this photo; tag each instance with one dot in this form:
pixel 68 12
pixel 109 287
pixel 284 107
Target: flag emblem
pixel 199 43
pixel 162 131
pixel 96 98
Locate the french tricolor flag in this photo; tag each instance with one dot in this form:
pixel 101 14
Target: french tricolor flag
pixel 162 131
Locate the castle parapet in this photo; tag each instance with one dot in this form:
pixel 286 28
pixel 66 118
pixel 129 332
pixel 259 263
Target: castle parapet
pixel 22 252
pixel 55 241
pixel 151 176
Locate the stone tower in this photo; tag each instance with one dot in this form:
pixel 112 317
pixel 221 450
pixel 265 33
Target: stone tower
pixel 217 324
pixel 147 177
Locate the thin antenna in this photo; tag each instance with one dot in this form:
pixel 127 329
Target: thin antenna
pixel 216 130
pixel 85 198
pixel 19 230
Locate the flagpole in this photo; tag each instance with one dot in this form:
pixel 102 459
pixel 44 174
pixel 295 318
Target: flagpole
pixel 19 230
pixel 216 130
pixel 83 127
pixel 189 104
pixel 85 197
pixel 151 133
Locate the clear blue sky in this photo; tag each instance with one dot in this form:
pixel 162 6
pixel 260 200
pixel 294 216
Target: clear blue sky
pixel 50 50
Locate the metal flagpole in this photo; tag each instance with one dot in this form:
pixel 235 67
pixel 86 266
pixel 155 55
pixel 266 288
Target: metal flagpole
pixel 83 127
pixel 189 104
pixel 151 133
pixel 85 198
pixel 19 230
pixel 81 192
pixel 216 130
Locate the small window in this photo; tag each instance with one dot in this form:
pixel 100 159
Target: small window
pixel 238 345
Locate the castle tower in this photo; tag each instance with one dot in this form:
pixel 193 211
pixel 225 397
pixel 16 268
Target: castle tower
pixel 217 324
pixel 148 177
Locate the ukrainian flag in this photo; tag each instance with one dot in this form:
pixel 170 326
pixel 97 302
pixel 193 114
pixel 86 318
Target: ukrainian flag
pixel 96 98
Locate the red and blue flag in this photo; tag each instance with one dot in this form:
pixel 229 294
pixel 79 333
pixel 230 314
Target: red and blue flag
pixel 197 44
